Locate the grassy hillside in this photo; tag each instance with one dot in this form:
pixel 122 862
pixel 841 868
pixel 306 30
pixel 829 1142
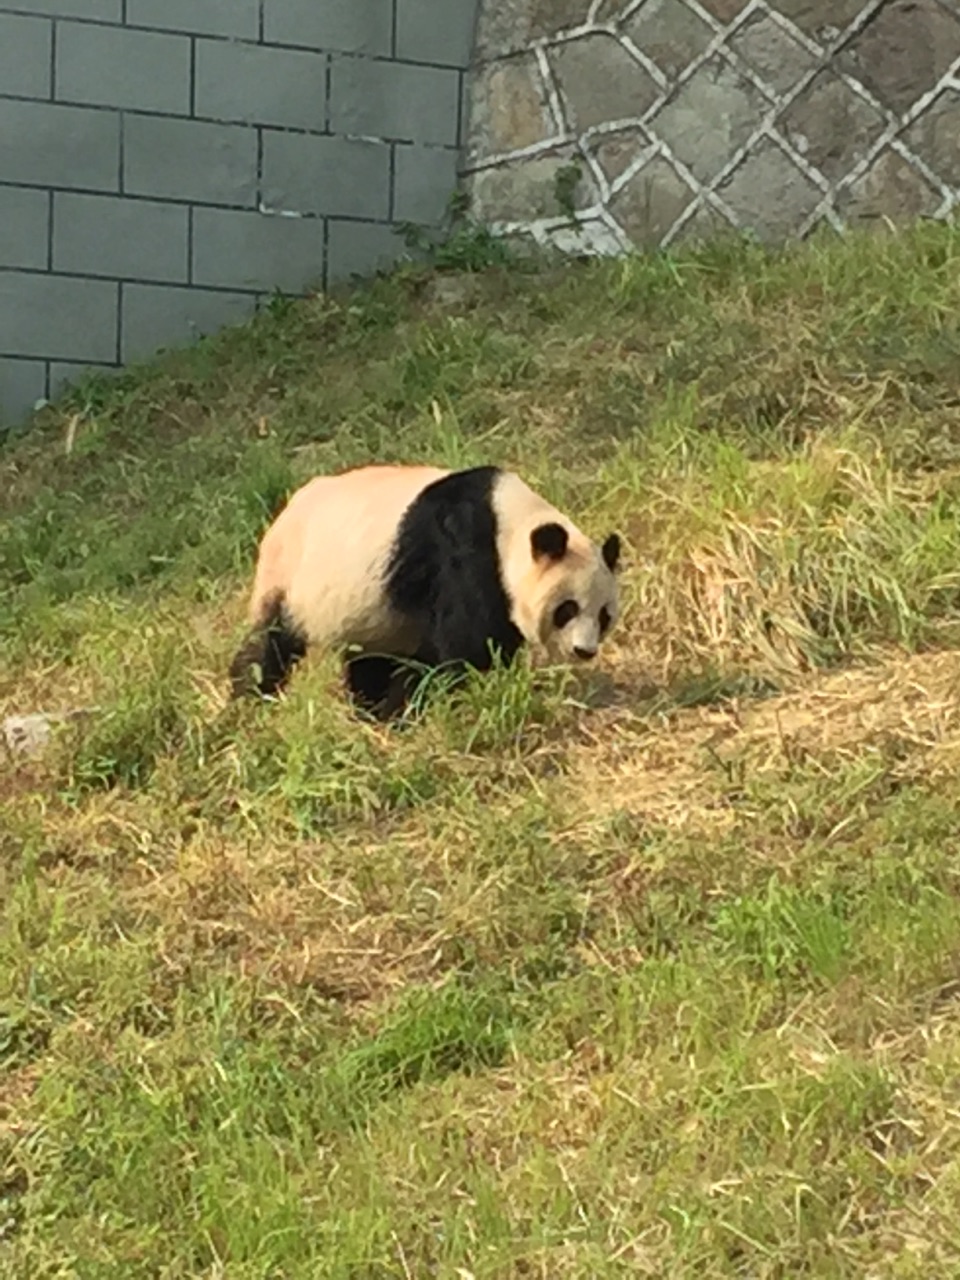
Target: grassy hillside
pixel 647 971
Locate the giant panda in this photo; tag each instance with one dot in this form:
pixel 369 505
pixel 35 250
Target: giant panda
pixel 444 568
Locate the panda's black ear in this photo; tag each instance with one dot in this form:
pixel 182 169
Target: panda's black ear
pixel 611 552
pixel 549 542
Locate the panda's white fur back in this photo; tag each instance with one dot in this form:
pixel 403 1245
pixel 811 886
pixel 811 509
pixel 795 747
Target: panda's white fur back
pixel 326 552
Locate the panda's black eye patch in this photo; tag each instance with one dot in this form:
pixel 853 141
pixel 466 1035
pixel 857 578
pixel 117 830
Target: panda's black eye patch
pixel 604 619
pixel 565 613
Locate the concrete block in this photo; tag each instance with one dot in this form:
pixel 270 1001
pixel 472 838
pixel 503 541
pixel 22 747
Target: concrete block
pixel 25 56
pixel 22 384
pixel 259 85
pixel 57 316
pixel 114 67
pixel 432 32
pixel 344 176
pixel 237 18
pixel 360 249
pixel 158 316
pixel 51 145
pixel 190 160
pixel 239 250
pixel 394 100
pixel 120 237
pixel 64 374
pixel 93 10
pixel 424 180
pixel 24 227
pixel 343 26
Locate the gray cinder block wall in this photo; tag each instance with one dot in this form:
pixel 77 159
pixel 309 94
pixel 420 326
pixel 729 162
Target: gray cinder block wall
pixel 167 164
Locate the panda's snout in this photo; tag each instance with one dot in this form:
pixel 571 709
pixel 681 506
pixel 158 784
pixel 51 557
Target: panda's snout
pixel 585 655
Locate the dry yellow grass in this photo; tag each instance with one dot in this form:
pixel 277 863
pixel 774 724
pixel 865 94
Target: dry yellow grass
pixel 674 766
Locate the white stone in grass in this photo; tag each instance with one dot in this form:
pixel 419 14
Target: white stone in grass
pixel 29 735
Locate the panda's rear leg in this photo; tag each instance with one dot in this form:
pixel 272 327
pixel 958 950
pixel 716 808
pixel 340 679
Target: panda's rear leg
pixel 268 655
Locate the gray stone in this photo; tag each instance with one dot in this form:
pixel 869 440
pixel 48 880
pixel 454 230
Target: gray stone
pixel 503 28
pixel 724 10
pixel 439 33
pixel 260 85
pixel 360 249
pixel 119 237
pixel 891 188
pixel 466 91
pixel 670 33
pixel 116 67
pixel 831 126
pixel 525 190
pixel 615 152
pixel 769 194
pixel 24 227
pixel 425 178
pixel 190 160
pixel 601 82
pixel 649 204
pixel 26 735
pixel 936 137
pixel 394 100
pixel 25 56
pixel 820 18
pixel 705 224
pixel 57 316
pixel 30 735
pixel 239 250
pixel 60 146
pixel 509 109
pixel 710 118
pixel 343 26
pixel 345 176
pixel 161 316
pixel 22 384
pixel 547 17
pixel 93 10
pixel 904 51
pixel 779 59
pixel 237 18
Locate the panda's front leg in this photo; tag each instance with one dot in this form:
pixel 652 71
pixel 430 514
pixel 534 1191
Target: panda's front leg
pixel 470 632
pixel 379 684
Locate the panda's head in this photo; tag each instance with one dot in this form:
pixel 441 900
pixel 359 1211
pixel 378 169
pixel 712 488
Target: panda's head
pixel 569 598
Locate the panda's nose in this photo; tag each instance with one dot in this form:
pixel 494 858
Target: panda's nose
pixel 584 654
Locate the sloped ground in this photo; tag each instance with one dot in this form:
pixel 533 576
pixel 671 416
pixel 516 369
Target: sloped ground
pixel 652 970
pixel 681 767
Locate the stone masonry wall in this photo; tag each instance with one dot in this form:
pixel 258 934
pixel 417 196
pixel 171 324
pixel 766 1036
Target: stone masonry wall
pixel 165 164
pixel 685 117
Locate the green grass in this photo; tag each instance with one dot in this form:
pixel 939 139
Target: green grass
pixel 652 971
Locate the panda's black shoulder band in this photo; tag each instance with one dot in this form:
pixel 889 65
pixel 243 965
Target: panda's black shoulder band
pixel 444 571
